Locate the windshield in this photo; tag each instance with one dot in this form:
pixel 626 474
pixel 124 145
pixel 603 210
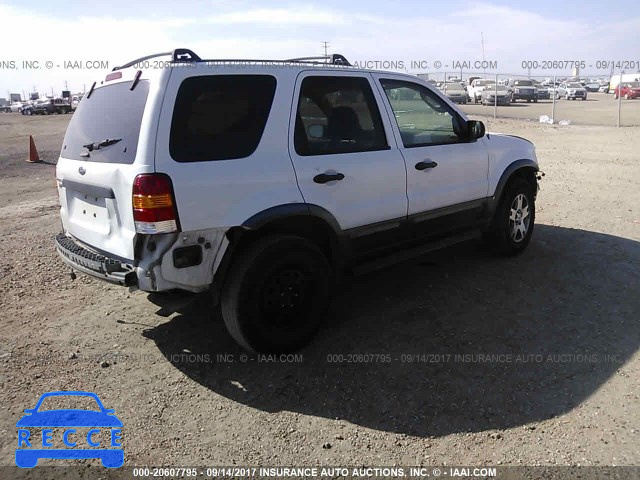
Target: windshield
pixel 634 84
pixel 523 83
pixel 575 85
pixel 484 83
pixel 111 112
pixel 454 86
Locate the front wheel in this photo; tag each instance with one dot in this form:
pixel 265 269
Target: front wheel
pixel 276 294
pixel 514 218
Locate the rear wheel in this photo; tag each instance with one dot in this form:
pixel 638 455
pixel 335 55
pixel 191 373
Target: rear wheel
pixel 276 294
pixel 514 218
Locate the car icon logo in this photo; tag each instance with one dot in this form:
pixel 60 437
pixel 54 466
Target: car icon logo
pixel 31 448
pixel 82 171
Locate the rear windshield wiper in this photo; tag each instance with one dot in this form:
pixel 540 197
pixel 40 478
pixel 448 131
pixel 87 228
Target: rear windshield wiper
pixel 98 145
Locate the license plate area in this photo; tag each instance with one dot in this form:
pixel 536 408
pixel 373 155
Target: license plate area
pixel 89 211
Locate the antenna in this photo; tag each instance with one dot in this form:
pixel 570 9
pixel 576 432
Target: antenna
pixel 325 45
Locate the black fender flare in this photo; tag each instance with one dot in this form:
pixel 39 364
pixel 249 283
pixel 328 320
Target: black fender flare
pixel 339 243
pixel 523 163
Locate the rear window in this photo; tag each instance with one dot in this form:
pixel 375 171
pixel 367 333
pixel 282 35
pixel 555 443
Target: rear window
pixel 109 113
pixel 220 117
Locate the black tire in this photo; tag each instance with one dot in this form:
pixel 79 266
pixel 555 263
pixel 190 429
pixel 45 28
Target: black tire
pixel 273 267
pixel 500 235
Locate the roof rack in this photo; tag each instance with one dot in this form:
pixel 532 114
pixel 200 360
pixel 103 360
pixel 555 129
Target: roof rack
pixel 333 59
pixel 180 55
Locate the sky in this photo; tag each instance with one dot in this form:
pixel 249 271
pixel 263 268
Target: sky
pixel 393 34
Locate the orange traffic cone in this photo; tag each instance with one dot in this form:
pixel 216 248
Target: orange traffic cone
pixel 33 152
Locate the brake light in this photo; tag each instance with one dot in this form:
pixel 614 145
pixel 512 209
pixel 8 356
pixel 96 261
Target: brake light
pixel 154 206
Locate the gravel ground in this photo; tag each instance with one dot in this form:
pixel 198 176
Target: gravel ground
pixel 530 360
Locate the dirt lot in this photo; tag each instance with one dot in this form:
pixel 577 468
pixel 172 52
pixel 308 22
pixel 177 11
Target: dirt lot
pixel 563 317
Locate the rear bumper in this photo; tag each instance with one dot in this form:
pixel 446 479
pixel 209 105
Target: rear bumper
pixel 156 269
pixel 95 264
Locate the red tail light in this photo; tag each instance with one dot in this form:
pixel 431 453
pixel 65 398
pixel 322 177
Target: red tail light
pixel 154 206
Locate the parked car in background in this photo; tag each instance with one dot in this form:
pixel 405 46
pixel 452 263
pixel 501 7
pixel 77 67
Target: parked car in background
pixel 604 88
pixel 38 107
pixel 496 94
pixel 477 86
pixel 544 92
pixel 592 87
pixel 47 107
pixel 522 90
pixel 471 79
pixel 75 100
pixel 575 90
pixel 455 92
pixel 628 90
pixel 15 107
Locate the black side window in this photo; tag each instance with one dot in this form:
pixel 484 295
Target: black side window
pixel 220 117
pixel 337 115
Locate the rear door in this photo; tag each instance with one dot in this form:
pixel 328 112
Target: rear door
pixel 344 152
pixel 95 176
pixel 222 138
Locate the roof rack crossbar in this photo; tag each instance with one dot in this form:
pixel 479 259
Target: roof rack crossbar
pixel 333 59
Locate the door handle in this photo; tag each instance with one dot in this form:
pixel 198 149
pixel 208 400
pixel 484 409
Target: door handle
pixel 426 164
pixel 327 177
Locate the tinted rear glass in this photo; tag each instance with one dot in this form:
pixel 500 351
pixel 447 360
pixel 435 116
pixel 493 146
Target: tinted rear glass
pixel 111 112
pixel 220 117
pixel 523 83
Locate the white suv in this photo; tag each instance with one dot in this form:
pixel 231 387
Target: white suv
pixel 478 86
pixel 262 182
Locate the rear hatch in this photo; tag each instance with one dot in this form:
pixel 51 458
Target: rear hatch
pixel 102 153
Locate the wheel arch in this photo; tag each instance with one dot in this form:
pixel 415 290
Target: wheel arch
pixel 522 168
pixel 309 221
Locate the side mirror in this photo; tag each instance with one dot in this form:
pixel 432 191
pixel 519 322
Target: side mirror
pixel 315 131
pixel 475 128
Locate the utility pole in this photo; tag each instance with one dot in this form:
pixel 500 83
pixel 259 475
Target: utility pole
pixel 325 45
